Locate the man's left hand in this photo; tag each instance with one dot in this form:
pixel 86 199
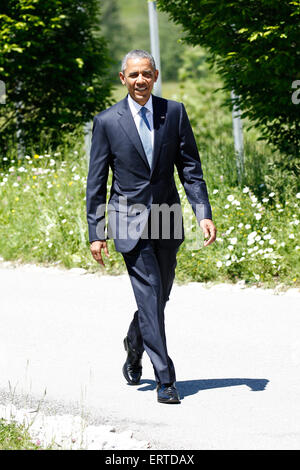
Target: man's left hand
pixel 209 230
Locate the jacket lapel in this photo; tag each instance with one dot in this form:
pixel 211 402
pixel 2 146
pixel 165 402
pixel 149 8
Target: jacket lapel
pixel 159 119
pixel 127 122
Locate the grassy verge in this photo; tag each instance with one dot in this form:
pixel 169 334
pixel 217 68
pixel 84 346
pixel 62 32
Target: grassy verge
pixel 14 436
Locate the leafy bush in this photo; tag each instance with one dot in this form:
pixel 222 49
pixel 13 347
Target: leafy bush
pixel 255 46
pixel 265 170
pixel 54 69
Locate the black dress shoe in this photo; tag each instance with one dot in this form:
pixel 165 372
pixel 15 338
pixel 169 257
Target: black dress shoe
pixel 167 393
pixel 132 369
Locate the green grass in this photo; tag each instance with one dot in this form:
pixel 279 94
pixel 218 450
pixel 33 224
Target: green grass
pixel 14 436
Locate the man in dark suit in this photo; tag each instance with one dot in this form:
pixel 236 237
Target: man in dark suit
pixel 141 139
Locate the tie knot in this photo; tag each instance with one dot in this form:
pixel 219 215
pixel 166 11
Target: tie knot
pixel 143 111
pixel 144 119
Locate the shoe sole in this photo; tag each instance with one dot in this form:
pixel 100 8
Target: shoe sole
pixel 169 402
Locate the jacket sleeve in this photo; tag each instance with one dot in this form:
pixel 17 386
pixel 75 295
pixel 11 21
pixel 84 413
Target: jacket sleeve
pixel 96 188
pixel 190 171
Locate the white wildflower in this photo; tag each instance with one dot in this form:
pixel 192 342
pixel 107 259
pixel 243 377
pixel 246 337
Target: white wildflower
pixel 230 198
pixel 252 234
pixel 219 264
pixel 246 190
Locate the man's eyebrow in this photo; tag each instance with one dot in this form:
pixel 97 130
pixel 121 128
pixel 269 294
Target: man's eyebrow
pixel 144 71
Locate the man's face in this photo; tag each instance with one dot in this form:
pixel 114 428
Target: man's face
pixel 139 78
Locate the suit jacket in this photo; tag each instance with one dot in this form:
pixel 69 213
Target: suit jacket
pixel 136 188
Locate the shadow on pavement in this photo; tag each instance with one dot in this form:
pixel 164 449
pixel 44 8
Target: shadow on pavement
pixel 190 387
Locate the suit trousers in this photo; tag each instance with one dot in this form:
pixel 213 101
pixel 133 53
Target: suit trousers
pixel 151 269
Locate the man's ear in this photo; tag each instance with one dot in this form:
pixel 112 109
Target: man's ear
pixel 122 77
pixel 156 75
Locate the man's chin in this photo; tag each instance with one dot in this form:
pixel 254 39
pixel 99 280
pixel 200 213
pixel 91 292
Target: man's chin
pixel 141 96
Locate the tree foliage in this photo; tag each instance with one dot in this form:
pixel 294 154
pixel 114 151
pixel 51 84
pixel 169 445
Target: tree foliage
pixel 53 66
pixel 117 34
pixel 255 47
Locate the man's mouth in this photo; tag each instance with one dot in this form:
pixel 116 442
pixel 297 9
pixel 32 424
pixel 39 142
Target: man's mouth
pixel 141 89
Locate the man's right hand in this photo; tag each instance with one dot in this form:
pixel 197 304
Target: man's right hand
pixel 96 248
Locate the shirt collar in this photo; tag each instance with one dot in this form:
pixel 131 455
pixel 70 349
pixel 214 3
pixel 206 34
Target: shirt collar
pixel 135 107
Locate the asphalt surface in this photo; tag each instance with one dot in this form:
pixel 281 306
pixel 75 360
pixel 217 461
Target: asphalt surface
pixel 236 351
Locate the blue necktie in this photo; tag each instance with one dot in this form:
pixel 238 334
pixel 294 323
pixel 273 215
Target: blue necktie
pixel 145 134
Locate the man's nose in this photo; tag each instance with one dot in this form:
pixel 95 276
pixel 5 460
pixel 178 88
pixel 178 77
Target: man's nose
pixel 140 78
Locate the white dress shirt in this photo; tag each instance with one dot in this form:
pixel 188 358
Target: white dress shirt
pixel 135 109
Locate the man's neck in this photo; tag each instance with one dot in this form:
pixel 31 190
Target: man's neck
pixel 139 103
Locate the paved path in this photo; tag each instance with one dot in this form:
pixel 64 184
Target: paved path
pixel 236 352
